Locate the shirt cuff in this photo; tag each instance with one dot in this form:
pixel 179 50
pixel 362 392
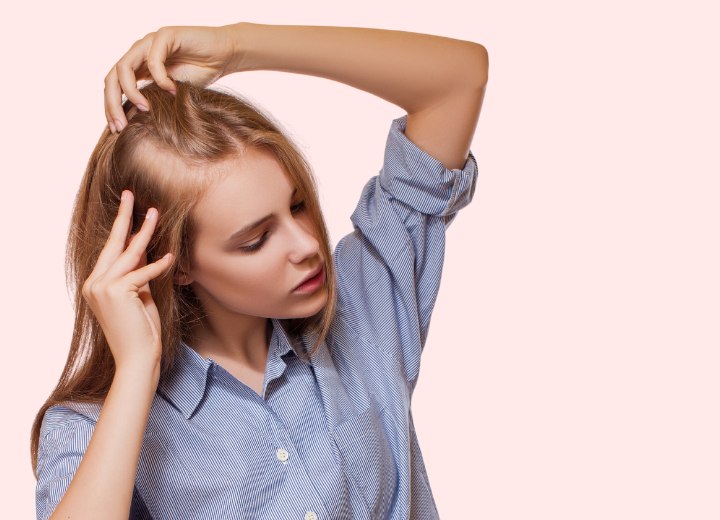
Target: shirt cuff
pixel 417 179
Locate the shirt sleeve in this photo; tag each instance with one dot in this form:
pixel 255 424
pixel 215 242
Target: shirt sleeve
pixel 389 267
pixel 64 437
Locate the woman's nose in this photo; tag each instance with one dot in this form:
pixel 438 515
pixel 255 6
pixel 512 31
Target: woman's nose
pixel 303 242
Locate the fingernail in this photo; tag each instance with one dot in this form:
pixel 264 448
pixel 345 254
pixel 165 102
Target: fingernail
pixel 142 107
pixel 151 213
pixel 118 125
pixel 112 127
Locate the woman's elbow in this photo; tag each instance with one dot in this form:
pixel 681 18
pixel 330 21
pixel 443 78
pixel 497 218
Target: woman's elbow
pixel 480 65
pixel 473 64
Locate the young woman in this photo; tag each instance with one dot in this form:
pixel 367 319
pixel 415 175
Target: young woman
pixel 250 373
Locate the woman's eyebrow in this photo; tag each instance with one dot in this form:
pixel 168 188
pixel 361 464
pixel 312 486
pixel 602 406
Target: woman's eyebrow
pixel 257 223
pixel 250 227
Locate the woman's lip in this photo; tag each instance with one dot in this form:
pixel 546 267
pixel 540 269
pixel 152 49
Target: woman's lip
pixel 311 277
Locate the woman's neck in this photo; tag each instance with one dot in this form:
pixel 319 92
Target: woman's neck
pixel 244 340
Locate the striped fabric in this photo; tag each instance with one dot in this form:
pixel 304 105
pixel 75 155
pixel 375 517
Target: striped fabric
pixel 332 438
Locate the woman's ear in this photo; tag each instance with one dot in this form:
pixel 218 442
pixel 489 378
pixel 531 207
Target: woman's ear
pixel 182 277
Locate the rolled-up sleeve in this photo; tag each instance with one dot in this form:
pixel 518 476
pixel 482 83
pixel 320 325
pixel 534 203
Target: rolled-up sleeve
pixel 64 437
pixel 420 182
pixel 389 267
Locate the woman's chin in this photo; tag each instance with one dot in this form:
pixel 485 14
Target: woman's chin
pixel 318 303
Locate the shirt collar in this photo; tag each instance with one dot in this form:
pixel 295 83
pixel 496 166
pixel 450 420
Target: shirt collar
pixel 184 386
pixel 280 340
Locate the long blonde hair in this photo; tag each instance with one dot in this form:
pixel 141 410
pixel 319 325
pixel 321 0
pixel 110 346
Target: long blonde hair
pixel 198 126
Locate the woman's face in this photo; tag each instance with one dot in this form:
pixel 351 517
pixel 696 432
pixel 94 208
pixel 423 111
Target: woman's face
pixel 255 243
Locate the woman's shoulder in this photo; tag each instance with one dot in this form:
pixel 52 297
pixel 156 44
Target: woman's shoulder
pixel 65 413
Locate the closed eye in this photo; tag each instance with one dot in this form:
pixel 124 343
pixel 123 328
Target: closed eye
pixel 255 245
pixel 298 207
pixel 295 208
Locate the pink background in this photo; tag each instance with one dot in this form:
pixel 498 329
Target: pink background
pixel 571 367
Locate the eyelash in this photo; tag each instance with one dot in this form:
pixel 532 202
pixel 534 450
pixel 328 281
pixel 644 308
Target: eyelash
pixel 300 206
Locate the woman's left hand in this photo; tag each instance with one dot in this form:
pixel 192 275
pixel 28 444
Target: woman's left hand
pixel 199 55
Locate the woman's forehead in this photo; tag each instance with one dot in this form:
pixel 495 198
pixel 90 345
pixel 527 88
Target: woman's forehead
pixel 246 188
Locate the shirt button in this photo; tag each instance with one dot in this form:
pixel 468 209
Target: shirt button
pixel 282 455
pixel 310 515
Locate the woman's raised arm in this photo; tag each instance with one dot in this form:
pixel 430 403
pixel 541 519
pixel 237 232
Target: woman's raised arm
pixel 439 81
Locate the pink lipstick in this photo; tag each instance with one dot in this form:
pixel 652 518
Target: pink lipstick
pixel 312 283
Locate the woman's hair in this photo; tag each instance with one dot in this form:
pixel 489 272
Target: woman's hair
pixel 196 127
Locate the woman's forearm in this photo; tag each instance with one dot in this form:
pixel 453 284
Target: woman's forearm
pixel 102 486
pixel 411 70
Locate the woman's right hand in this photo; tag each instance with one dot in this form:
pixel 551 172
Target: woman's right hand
pixel 118 293
pixel 196 54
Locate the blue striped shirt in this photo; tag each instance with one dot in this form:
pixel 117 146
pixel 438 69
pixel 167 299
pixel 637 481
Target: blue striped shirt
pixel 332 438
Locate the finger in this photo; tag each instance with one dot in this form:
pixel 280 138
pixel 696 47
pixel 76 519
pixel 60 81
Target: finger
pixel 128 71
pixel 108 118
pixel 142 260
pixel 140 277
pixel 145 294
pixel 113 100
pixel 132 256
pixel 114 83
pixel 115 243
pixel 111 126
pixel 161 47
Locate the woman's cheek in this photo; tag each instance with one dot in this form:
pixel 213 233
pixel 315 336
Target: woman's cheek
pixel 266 269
